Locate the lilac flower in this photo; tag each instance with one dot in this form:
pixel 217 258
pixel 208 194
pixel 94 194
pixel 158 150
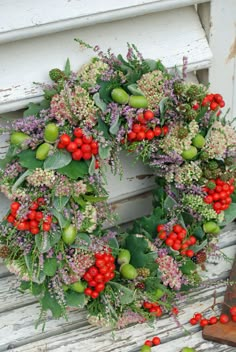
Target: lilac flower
pixel 170 274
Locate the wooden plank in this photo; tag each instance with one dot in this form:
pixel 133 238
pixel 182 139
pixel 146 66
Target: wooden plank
pixel 35 19
pixel 225 333
pixel 94 339
pixel 149 32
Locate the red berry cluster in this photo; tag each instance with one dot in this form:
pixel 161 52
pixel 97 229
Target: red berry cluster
pixel 101 272
pixel 223 318
pixel 214 101
pixel 141 131
pixel 154 342
pixel 80 147
pixel 33 221
pixel 153 308
pixel 176 239
pixel 219 196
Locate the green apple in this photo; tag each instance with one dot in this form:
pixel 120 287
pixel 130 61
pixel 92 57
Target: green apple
pixel 190 153
pixel 188 349
pixel 210 227
pixel 199 141
pixel 17 138
pixel 51 133
pixel 120 96
pixel 128 271
pixel 159 293
pixel 124 257
pixel 42 151
pixel 138 101
pixel 216 230
pixel 145 348
pixel 69 234
pixel 78 286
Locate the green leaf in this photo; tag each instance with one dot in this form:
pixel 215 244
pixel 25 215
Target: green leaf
pixel 34 109
pixel 169 202
pixel 80 201
pixel 57 160
pixel 188 267
pixel 92 166
pixel 229 214
pixel 152 64
pixel 11 153
pixel 126 295
pixel 74 170
pixel 59 203
pixel 50 266
pixel 104 152
pixel 102 127
pixel 99 102
pixel 114 245
pixel 21 179
pixel 134 89
pixel 199 233
pixel 37 289
pixel 27 159
pixel 137 246
pixel 24 285
pixel 93 199
pixel 75 299
pixel 54 237
pixel 83 236
pixel 198 247
pixel 29 263
pixel 115 125
pixel 162 106
pixel 50 303
pixel 63 222
pixel 42 242
pixel 67 69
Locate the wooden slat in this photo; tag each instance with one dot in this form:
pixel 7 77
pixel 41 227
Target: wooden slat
pixel 150 33
pixel 36 19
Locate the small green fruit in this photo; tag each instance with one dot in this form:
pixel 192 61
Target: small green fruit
pixel 17 138
pixel 120 96
pixel 210 227
pixel 199 141
pixel 124 257
pixel 128 271
pixel 188 349
pixel 190 153
pixel 145 348
pixel 42 151
pixel 78 286
pixel 69 234
pixel 216 231
pixel 65 288
pixel 159 293
pixel 138 101
pixel 51 133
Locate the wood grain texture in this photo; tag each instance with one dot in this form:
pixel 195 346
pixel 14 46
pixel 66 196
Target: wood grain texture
pixel 34 19
pixel 158 38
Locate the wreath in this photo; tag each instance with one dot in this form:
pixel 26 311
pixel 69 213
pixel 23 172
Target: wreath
pixel 54 175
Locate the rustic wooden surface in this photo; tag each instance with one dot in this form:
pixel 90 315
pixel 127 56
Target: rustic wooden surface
pixel 225 333
pixel 19 312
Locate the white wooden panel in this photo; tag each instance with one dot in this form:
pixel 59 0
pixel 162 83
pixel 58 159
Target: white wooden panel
pixel 44 17
pixel 222 74
pixel 169 35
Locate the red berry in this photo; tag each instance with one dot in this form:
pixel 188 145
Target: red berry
pixel 190 253
pixel 196 106
pixel 213 105
pixel 77 155
pixel 41 201
pixel 148 115
pixel 86 148
pixel 175 311
pixel 34 206
pixel 233 318
pixel 198 316
pixel 136 128
pixel 100 287
pixel 34 230
pixel 99 278
pixel 100 263
pixel 218 98
pixel 181 235
pixel 87 277
pixel 162 235
pixel 87 139
pixel 222 104
pixel 38 215
pixel 173 236
pixel 216 196
pixel 97 164
pixel 203 322
pixel 10 218
pixel 140 136
pixel 71 147
pixel 78 132
pixel 233 310
pixel 33 223
pixel 93 271
pixel 149 135
pixel 160 227
pixel 169 242
pixel 65 139
pixel 148 343
pixel 78 142
pixel 87 156
pixel 131 136
pixel 15 206
pixel 157 131
pixel 21 226
pixel 177 228
pixel 156 341
pixel 193 240
pixel 176 246
pixel 224 318
pixel 61 146
pixel 193 321
pixel 165 130
pixel 217 206
pixel 147 305
pixel 88 291
pixel 46 226
pixel 208 199
pixel 213 320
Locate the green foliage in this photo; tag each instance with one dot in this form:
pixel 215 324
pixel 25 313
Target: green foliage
pixel 138 247
pixel 199 233
pixel 57 160
pixel 59 203
pixel 99 102
pixel 188 267
pixel 63 222
pixel 147 224
pixel 74 170
pixel 34 109
pixel 46 240
pixel 50 303
pixel 126 295
pixel 67 69
pixel 102 127
pixel 27 159
pixel 50 266
pixel 11 153
pixel 75 299
pixel 229 214
pixel 104 152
